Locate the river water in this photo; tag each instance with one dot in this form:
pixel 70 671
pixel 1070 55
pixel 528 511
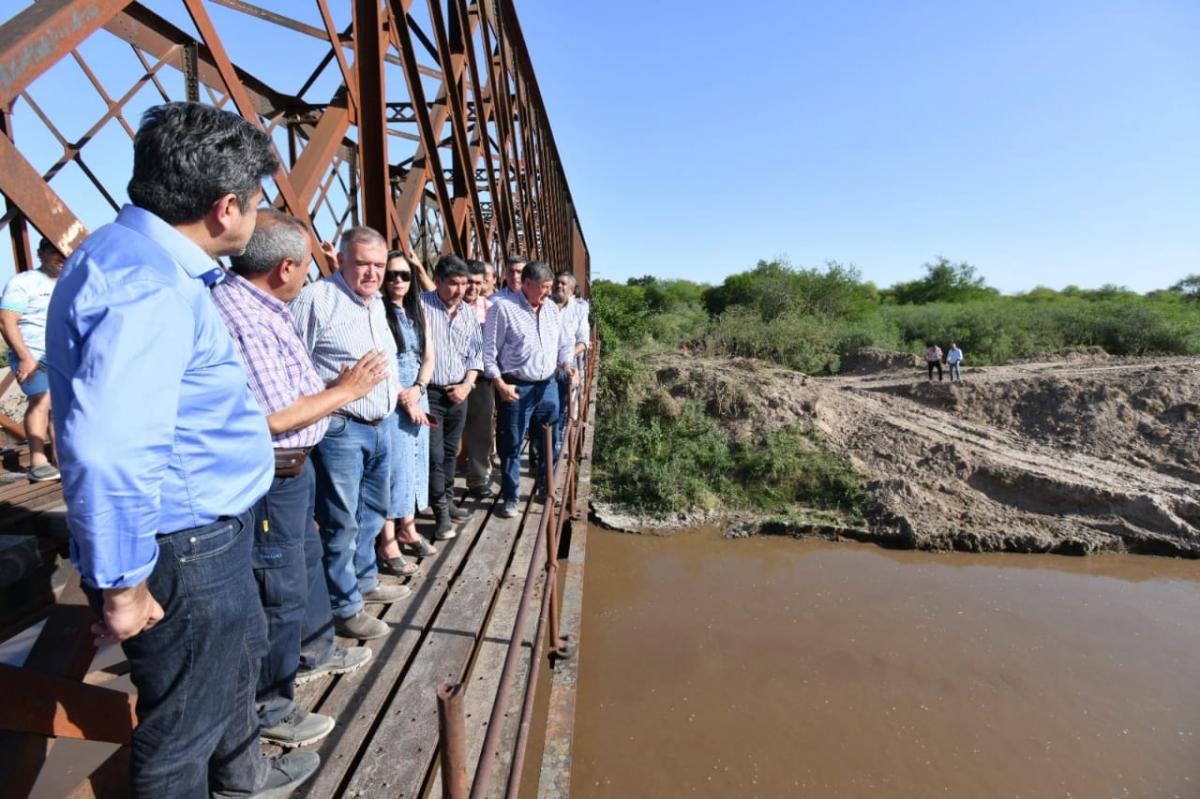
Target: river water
pixel 775 668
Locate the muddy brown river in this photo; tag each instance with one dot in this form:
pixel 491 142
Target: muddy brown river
pixel 779 668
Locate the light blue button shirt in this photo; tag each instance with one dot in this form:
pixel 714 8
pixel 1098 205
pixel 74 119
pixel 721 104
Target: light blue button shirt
pixel 157 429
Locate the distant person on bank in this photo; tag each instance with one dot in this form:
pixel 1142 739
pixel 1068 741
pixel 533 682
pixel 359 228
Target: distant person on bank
pixel 341 319
pixel 410 434
pixel 953 360
pixel 524 344
pixel 455 337
pixel 287 549
pixel 164 452
pixel 933 359
pixel 23 324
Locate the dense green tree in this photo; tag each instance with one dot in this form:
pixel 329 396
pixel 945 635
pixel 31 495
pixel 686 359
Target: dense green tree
pixel 944 281
pixel 1189 288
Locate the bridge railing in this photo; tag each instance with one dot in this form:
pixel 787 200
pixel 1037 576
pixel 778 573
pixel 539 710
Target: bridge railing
pixel 549 642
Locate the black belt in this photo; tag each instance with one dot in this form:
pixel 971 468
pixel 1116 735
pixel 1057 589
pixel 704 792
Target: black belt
pixel 359 420
pixel 512 379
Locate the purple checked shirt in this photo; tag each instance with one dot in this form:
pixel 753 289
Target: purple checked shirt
pixel 277 362
pixel 518 341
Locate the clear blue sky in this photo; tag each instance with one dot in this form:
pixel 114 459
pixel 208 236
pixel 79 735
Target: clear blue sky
pixel 1044 142
pixel 1047 143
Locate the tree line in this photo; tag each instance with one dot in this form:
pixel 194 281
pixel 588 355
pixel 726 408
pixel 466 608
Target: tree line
pixel 810 318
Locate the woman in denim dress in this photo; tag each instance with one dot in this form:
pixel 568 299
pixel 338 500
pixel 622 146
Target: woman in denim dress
pixel 410 433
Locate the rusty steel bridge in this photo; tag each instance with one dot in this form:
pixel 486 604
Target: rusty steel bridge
pixel 424 120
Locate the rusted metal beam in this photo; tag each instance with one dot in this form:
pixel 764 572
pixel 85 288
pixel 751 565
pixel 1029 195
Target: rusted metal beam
pixel 242 99
pixel 18 231
pixel 372 116
pixel 36 38
pixel 453 61
pixel 146 30
pixel 452 740
pixel 25 189
pixel 43 704
pixel 428 124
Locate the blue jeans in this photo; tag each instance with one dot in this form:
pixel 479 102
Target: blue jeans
pixel 195 670
pixel 563 381
pixel 536 405
pixel 291 585
pixel 955 374
pixel 354 472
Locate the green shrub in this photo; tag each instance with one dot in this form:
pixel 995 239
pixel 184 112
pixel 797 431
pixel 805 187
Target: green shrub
pixel 660 464
pixel 792 466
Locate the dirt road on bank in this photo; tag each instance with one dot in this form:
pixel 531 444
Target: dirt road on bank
pixel 1076 455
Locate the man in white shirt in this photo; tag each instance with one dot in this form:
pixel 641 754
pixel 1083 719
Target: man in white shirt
pixel 23 324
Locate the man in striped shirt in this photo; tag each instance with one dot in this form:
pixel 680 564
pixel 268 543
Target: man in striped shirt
pixel 512 278
pixel 524 344
pixel 574 321
pixel 340 319
pixel 287 550
pixel 455 337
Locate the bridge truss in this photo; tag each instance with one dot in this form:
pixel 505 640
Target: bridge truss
pixel 420 118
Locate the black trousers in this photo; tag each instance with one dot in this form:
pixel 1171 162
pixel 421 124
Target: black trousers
pixel 443 447
pixel 935 365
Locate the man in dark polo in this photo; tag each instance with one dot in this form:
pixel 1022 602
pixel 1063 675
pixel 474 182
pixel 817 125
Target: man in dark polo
pixel 340 319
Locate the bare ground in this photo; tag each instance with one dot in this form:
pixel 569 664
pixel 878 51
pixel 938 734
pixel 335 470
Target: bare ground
pixel 1079 454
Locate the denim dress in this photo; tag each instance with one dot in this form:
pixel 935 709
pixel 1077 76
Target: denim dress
pixel 410 441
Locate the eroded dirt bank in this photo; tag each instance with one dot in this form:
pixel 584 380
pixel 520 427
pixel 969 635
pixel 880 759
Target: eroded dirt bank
pixel 1078 455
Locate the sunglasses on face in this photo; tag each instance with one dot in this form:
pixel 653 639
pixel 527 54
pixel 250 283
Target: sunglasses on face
pixel 395 274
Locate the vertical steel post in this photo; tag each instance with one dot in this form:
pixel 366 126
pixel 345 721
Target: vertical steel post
pixel 372 116
pixel 17 229
pixel 452 740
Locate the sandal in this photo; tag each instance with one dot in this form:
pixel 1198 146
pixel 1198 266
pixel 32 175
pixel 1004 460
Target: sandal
pixel 397 567
pixel 420 548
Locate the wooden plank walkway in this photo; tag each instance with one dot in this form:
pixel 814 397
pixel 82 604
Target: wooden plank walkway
pixel 455 627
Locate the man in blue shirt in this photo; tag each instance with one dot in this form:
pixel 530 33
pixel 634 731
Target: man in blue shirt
pixel 164 450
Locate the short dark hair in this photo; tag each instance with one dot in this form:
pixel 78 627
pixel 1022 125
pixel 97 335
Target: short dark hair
pixel 186 156
pixel 45 246
pixel 277 236
pixel 516 258
pixel 537 271
pixel 477 267
pixel 451 266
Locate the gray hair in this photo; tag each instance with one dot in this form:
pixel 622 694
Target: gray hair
pixel 360 234
pixel 567 276
pixel 536 271
pixel 277 237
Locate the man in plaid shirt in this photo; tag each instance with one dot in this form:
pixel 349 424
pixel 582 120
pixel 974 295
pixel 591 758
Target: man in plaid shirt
pixel 287 550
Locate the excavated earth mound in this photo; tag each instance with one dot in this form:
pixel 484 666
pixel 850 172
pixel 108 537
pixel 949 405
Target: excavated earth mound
pixel 1076 456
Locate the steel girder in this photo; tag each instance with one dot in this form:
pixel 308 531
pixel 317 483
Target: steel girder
pixel 434 132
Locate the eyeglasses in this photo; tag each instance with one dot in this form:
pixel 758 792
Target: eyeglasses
pixel 394 275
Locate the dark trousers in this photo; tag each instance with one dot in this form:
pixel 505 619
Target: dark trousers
pixel 477 435
pixel 196 669
pixel 291 585
pixel 443 447
pixel 536 405
pixel 935 365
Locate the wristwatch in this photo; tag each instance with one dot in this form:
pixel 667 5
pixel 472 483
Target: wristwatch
pixel 420 385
